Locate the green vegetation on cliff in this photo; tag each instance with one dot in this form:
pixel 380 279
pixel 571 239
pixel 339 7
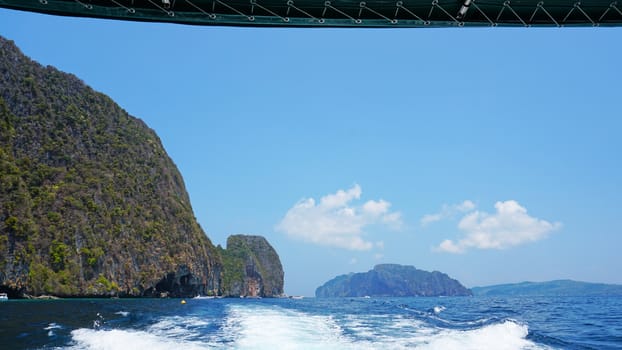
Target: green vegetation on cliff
pixel 392 280
pixel 251 267
pixel 90 203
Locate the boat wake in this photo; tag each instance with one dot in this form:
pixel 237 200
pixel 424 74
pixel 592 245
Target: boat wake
pixel 260 326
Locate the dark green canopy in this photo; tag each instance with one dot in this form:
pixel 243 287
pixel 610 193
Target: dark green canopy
pixel 339 13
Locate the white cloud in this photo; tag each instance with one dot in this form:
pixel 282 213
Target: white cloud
pixel 430 218
pixel 376 208
pixel 465 206
pixel 341 198
pixel 336 222
pixel 393 220
pixel 509 226
pixel 449 247
pixel 447 211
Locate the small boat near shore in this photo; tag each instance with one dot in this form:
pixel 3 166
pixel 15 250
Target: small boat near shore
pixel 4 297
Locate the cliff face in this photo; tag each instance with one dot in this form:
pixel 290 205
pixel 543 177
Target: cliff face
pixel 252 268
pixel 392 280
pixel 90 203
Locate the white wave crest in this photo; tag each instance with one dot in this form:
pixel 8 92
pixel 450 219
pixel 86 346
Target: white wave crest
pixel 276 328
pixel 273 327
pixel 508 335
pixel 178 327
pixel 89 339
pixel 257 326
pixel 51 327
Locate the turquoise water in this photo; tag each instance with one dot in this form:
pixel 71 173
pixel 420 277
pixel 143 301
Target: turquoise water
pixel 349 323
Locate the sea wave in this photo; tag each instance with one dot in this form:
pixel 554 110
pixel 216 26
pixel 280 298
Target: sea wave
pixel 116 339
pixel 51 327
pixel 274 327
pixel 508 335
pixel 259 326
pixel 180 327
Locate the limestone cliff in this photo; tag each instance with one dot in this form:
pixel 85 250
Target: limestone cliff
pixel 90 203
pixel 252 268
pixel 392 280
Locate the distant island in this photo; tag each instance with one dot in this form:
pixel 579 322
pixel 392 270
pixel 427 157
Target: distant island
pixel 550 288
pixel 91 205
pixel 392 280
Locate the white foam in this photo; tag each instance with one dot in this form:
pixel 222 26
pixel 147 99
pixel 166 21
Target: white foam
pixel 273 327
pixel 89 339
pixel 167 333
pixel 366 328
pixel 51 327
pixel 179 327
pixel 407 333
pixel 258 326
pixel 122 313
pixel 508 335
pixel 276 328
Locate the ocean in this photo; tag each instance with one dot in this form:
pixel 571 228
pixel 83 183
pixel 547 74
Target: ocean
pixel 348 323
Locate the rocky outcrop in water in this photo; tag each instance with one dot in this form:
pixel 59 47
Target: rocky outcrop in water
pixel 252 268
pixel 90 203
pixel 392 280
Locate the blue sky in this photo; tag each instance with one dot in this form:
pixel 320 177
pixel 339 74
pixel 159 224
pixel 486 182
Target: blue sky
pixel 490 154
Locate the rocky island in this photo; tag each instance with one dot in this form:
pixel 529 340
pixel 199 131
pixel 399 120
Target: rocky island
pixel 392 280
pixel 251 268
pixel 92 205
pixel 557 288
